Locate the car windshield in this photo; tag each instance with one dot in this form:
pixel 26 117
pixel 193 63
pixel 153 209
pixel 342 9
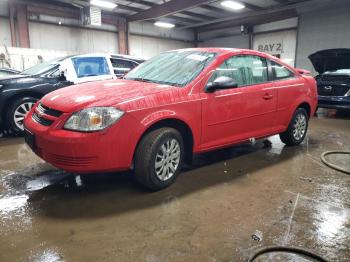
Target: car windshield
pixel 177 68
pixel 339 72
pixel 41 68
pixel 91 66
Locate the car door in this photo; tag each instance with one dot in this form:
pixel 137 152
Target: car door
pixel 240 113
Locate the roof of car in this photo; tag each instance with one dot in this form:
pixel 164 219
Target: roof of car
pixel 222 50
pixel 92 55
pixel 134 58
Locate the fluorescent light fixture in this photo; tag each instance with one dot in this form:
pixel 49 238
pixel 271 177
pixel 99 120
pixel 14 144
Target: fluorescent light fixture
pixel 164 24
pixel 103 4
pixel 233 5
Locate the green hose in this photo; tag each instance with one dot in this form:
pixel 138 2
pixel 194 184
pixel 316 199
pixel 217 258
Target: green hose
pixel 338 168
pixel 295 250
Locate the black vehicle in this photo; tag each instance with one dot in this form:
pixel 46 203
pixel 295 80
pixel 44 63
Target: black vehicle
pixel 8 71
pixel 18 93
pixel 333 81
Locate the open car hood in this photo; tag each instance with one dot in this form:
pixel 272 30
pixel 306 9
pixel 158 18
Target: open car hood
pixel 330 60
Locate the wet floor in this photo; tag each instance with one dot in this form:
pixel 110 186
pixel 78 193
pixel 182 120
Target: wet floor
pixel 224 207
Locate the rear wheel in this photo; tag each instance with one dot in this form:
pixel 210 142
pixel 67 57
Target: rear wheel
pixel 297 128
pixel 159 158
pixel 17 112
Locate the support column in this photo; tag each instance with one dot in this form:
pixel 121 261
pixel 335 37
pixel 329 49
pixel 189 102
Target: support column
pixel 196 38
pixel 12 11
pixel 123 36
pixel 23 28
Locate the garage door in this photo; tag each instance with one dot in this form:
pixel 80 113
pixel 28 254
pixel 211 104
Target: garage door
pixel 281 44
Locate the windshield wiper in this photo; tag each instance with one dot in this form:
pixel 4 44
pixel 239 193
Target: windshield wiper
pixel 140 79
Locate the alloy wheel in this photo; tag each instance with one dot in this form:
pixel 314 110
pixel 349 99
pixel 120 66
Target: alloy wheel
pixel 299 127
pixel 20 113
pixel 167 159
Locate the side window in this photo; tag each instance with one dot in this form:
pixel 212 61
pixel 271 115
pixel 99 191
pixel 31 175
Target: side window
pixel 121 67
pixel 245 70
pixel 280 71
pixel 90 66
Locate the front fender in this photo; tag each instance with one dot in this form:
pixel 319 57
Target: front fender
pixel 157 116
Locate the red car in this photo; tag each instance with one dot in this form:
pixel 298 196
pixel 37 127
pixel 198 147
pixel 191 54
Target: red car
pixel 177 104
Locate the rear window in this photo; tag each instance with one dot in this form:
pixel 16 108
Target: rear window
pixel 90 66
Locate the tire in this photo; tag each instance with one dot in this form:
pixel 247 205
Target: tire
pixel 149 152
pixel 297 128
pixel 17 110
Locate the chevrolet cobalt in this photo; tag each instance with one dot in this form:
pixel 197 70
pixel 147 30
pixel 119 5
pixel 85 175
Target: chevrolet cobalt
pixel 177 104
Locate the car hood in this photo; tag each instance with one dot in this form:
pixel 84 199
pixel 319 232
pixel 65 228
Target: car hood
pixel 330 60
pixel 101 93
pixel 8 78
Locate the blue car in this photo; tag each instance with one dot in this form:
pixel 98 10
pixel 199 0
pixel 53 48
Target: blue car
pixel 333 81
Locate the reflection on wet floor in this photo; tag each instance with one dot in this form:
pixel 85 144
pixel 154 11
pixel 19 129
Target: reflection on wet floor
pixel 282 195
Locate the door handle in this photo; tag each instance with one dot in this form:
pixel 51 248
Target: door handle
pixel 268 96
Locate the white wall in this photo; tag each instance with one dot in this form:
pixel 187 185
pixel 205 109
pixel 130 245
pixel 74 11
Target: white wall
pixel 23 58
pixel 322 30
pixel 237 41
pixel 147 47
pixel 5 33
pixel 73 39
pixel 148 29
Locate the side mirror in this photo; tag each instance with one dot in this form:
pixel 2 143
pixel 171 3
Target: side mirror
pixel 222 82
pixel 303 71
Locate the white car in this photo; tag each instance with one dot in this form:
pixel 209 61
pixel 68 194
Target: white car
pixel 18 93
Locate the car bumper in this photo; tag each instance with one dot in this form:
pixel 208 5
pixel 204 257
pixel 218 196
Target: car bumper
pixel 79 152
pixel 335 102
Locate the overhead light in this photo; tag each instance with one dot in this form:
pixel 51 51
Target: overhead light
pixel 233 5
pixel 103 4
pixel 164 24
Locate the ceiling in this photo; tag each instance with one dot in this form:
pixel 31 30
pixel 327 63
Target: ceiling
pixel 200 15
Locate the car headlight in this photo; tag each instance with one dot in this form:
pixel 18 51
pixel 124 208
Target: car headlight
pixel 93 119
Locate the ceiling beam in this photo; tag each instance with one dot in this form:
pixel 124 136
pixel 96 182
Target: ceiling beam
pixel 145 3
pixel 249 21
pixel 251 6
pixel 225 10
pixel 284 2
pixel 195 15
pixel 252 14
pixel 182 19
pixel 215 9
pixel 168 8
pixel 85 3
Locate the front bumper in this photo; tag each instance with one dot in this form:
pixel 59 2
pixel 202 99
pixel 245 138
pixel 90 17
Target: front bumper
pixel 334 102
pixel 105 151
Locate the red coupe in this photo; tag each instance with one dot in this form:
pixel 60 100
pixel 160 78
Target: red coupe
pixel 177 104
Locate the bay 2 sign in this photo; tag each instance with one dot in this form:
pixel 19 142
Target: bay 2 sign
pixel 281 44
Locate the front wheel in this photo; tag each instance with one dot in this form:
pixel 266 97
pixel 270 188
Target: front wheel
pixel 297 128
pixel 159 158
pixel 17 112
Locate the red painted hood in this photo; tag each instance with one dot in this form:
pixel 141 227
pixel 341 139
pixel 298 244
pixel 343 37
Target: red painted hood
pixel 101 93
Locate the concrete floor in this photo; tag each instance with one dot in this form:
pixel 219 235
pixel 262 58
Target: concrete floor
pixel 221 209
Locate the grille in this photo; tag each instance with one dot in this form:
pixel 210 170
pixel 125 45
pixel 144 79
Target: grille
pixel 44 110
pixel 48 111
pixel 41 120
pixel 70 161
pixel 335 90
